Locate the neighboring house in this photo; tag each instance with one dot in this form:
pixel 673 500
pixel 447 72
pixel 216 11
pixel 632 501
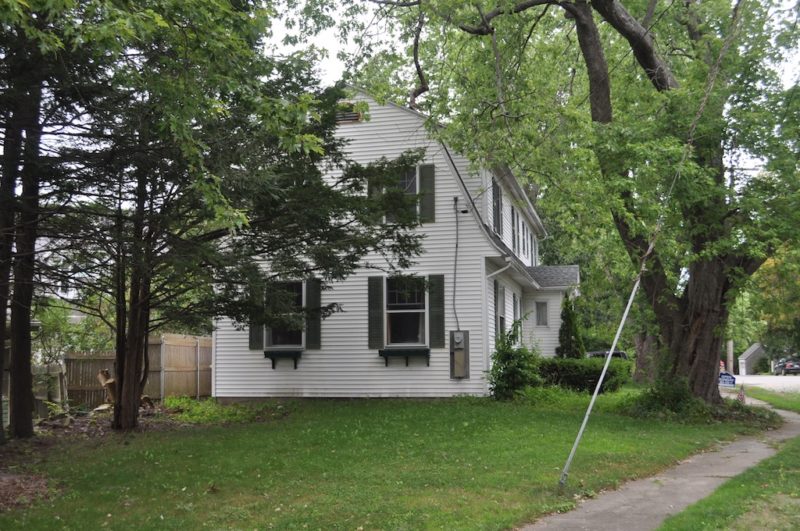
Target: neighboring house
pixel 481 260
pixel 750 357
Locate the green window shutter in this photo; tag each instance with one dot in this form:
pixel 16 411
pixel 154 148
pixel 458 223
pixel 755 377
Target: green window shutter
pixel 256 327
pixel 436 310
pixel 375 312
pixel 427 190
pixel 256 340
pixel 313 319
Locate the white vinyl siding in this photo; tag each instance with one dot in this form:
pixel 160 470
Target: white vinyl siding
pixel 545 338
pixel 345 366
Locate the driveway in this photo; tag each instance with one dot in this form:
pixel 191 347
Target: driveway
pixel 784 384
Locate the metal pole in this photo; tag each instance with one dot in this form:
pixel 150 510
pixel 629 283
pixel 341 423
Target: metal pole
pixel 564 473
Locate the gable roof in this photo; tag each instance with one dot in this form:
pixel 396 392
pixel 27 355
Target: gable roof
pixel 559 276
pixel 754 350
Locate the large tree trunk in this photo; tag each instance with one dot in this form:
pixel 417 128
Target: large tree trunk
pixel 696 338
pixel 647 357
pixel 21 403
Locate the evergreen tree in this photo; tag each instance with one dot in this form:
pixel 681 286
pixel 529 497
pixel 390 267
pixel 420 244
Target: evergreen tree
pixel 570 344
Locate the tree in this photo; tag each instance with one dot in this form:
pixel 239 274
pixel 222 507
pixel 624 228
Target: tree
pixel 677 97
pixel 193 155
pixel 775 300
pixel 570 344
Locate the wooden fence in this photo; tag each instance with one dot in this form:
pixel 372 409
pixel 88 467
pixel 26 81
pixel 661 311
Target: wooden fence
pixel 179 366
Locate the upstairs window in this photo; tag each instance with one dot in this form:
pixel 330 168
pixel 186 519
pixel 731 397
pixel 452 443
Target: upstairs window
pixel 514 230
pixel 405 311
pixel 497 208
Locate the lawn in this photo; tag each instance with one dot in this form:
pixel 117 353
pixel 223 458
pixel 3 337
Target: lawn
pixel 787 401
pixel 349 464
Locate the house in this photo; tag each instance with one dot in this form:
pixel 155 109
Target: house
pixel 481 262
pixel 748 360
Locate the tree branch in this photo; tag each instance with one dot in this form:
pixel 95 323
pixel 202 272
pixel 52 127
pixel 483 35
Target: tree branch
pixel 486 29
pixel 640 41
pixel 422 87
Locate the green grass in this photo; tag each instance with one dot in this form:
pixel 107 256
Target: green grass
pixel 787 401
pixel 764 497
pixel 344 464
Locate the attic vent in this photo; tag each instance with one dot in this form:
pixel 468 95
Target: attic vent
pixel 346 113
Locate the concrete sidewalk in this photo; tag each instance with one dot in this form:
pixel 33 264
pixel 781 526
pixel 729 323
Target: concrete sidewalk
pixel 646 503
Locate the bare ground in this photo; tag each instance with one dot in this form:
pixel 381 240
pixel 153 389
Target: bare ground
pixel 20 487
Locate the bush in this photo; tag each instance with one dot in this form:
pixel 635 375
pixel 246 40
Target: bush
pixel 583 374
pixel 762 366
pixel 514 367
pixel 672 400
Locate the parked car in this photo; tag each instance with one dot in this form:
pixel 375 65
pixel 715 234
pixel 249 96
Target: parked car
pixel 787 366
pixel 602 354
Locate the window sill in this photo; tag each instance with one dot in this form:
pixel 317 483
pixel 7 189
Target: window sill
pixel 407 352
pixel 275 354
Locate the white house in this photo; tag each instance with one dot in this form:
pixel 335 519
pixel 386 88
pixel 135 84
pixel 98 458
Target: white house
pixel 481 261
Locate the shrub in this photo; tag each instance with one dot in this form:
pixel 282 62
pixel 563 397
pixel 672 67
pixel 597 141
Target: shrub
pixel 570 344
pixel 514 367
pixel 762 366
pixel 583 374
pixel 672 400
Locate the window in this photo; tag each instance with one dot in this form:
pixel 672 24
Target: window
pixel 524 239
pixel 407 184
pixel 541 314
pixel 497 208
pixel 515 305
pixel 499 309
pixel 405 311
pixel 287 335
pixel 514 231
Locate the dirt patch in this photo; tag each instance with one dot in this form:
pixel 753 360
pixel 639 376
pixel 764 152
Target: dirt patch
pixel 21 486
pixel 21 490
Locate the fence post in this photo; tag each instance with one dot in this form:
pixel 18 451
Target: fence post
pixel 161 367
pixel 197 364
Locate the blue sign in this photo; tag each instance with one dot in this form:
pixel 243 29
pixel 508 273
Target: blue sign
pixel 726 379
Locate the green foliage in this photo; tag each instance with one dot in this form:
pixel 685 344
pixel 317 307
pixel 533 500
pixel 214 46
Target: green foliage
pixel 209 411
pixel 514 367
pixel 58 334
pixel 583 374
pixel 762 366
pixel 745 323
pixel 570 343
pixel 672 400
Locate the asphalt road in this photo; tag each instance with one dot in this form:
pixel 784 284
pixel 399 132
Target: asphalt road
pixel 784 384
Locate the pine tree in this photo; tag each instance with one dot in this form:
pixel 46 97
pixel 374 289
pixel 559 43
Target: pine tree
pixel 570 344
